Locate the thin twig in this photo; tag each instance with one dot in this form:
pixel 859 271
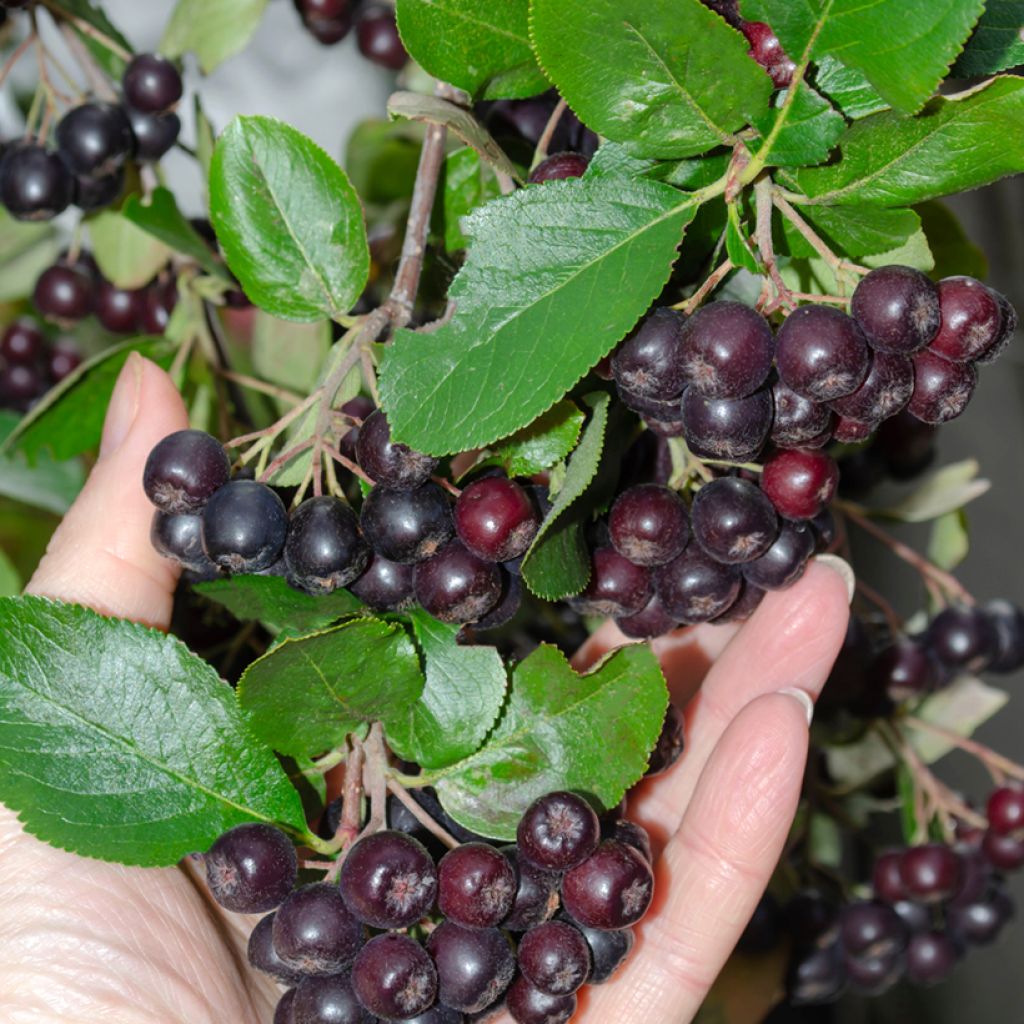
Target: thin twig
pixel 351 805
pixel 351 466
pixel 255 384
pixel 998 765
pixel 284 457
pixel 890 613
pixel 85 60
pixel 712 281
pixel 275 428
pixel 839 266
pixel 18 53
pixel 62 16
pixel 447 485
pixel 541 152
pixel 400 792
pixel 374 778
pixel 765 245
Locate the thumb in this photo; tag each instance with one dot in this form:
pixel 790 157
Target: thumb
pixel 101 555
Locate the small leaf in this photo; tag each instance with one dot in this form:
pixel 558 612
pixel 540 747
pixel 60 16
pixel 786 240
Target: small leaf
pixel 950 542
pixel 459 120
pixel 945 490
pixel 737 244
pixel 824 843
pixel 10 578
pixel 547 440
pixel 306 695
pixel 211 29
pixel 810 129
pixel 381 158
pixel 847 88
pixel 117 742
pixel 669 77
pixel 591 734
pixel 289 354
pixel 997 42
pixel 477 45
pixel 462 696
pixel 44 484
pixel 269 599
pixel 128 256
pixel 68 420
pixel 954 251
pixel 542 297
pixel 27 248
pixel 464 186
pixel 288 221
pixel 855 230
pixel 162 219
pixel 112 63
pixel 891 160
pixel 616 160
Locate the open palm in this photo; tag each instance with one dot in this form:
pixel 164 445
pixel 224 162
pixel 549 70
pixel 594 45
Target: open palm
pixel 82 941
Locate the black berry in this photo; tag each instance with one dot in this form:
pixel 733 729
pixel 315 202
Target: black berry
pixel 251 868
pixel 95 138
pixel 153 134
pixel 456 586
pixel 886 390
pixel 558 831
pixel 897 308
pixel 821 353
pixel 385 586
pixel 649 362
pixel 695 587
pixel 971 319
pixel 800 483
pixel 34 184
pixel 474 965
pixel 328 1000
pixel 733 520
pixel 377 37
pixel 495 519
pixel 394 977
pixel 942 389
pixel 151 84
pixel 314 932
pixel 325 548
pixel 727 428
pixel 799 422
pixel 649 524
pixel 617 586
pixel 962 638
pixel 476 885
pixel 407 526
pixel 390 464
pixel 727 350
pixel 263 956
pixel 184 470
pixel 611 889
pixel 180 537
pixel 64 294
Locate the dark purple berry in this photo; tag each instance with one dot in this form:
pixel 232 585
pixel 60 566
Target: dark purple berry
pixel 456 586
pixel 325 548
pixel 385 586
pixel 611 889
pixel 1006 810
pixel 1006 331
pixel 887 878
pixel 649 362
pixel 617 586
pixel 669 747
pixel 438 1014
pixel 971 319
pixel 536 897
pixel 507 607
pixel 22 343
pixel 766 49
pixel 156 304
pixel 931 873
pixel 876 974
pixel 151 83
pixel 648 524
pixel 849 431
pixel 962 638
pixel 64 358
pixel 727 350
pixel 695 587
pixel 328 21
pixel 184 470
pixel 559 166
pixel 821 353
pixel 474 965
pixel 97 193
pixel 180 537
pixel 800 483
pixel 94 138
pixel 153 134
pixel 495 519
pixel 817 976
pixel 931 957
pixel 942 390
pixel 733 520
pixel 34 184
pixel 661 414
pixel 527 1004
pixel 631 834
pixel 476 885
pixel 377 37
pixel 886 390
pixel 734 429
pixel 390 464
pixel 555 958
pixel 328 1000
pixel 651 621
pixel 897 308
pixel 388 880
pixel 244 526
pixel 1005 853
pixel 608 950
pixel 784 562
pixel 868 928
pixel 394 977
pixel 1008 622
pixel 749 599
pixel 117 309
pixel 314 932
pixel 263 956
pixel 558 831
pixel 63 294
pixel 798 421
pixel 251 868
pixel 283 1010
pixel 728 9
pixel 20 386
pixel 407 526
pixel 979 923
pixel 905 670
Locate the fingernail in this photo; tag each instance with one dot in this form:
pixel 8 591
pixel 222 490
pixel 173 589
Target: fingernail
pixel 841 566
pixel 803 699
pixel 124 405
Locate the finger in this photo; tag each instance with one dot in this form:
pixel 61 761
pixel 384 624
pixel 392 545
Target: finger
pixel 715 868
pixel 101 555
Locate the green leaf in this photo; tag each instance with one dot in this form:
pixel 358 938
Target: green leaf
pixel 954 252
pixel 540 300
pixel 269 599
pixel 890 160
pixel 943 491
pixel 112 63
pixel 464 187
pixel 824 842
pixel 289 354
pixel 855 230
pixel 128 256
pixel 462 696
pixel 810 128
pixel 381 158
pixel 211 29
pixel 431 109
pixel 162 219
pixel 950 541
pixel 69 419
pixel 846 88
pixel 591 734
pixel 903 47
pixel 27 248
pixel 44 484
pixel 117 742
pixel 669 77
pixel 476 45
pixel 547 440
pixel 997 42
pixel 615 160
pixel 306 695
pixel 10 578
pixel 288 220
pixel 737 244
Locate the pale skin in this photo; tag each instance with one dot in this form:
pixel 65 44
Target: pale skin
pixel 83 941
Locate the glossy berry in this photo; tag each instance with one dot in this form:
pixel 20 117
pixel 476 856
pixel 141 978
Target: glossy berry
pixel 766 49
pixel 727 350
pixel 850 431
pixel 385 586
pixel 153 134
pixel 263 957
pixel 649 525
pixel 180 537
pixel 821 353
pixel 665 412
pixel 800 483
pixel 611 889
pixel 942 390
pixel 669 747
pixel 328 31
pixel 328 1000
pixel 527 1004
pixel 979 923
pixel 495 519
pixel 962 638
pixel 117 309
pixel 156 304
pixel 931 957
pixel 727 428
pixel 558 167
pixel 897 308
pixel 886 390
pixel 325 548
pixel 97 193
pixel 887 878
pixel 184 470
pixel 22 343
pixel 151 83
pixel 784 562
pixel 474 965
pixel 1006 810
pixel 817 976
pixel 390 464
pixel 695 587
pixel 63 359
pixel 630 834
pixel 617 586
pixel 733 520
pixel 251 868
pixel 476 885
pixel 798 421
pixel 931 873
pixel 971 319
pixel 649 362
pixel 874 975
pixel 904 670
pixel 244 527
pixel 20 385
pixel 1006 331
pixel 456 586
pixel 388 880
pixel 394 977
pixel 283 1010
pixel 63 294
pixel 558 831
pixel 728 9
pixel 314 932
pixel 555 958
pixel 407 526
pixel 95 138
pixel 327 9
pixel 1008 622
pixel 608 950
pixel 508 605
pixel 536 897
pixel 438 1014
pixel 1005 853
pixel 34 184
pixel 377 37
pixel 651 621
pixel 748 601
pixel 868 928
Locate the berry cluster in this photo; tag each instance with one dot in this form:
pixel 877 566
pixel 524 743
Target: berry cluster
pixel 94 142
pixel 403 935
pixel 377 38
pixel 765 47
pixel 30 365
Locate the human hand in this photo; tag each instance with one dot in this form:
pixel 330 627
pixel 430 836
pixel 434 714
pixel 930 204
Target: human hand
pixel 147 946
